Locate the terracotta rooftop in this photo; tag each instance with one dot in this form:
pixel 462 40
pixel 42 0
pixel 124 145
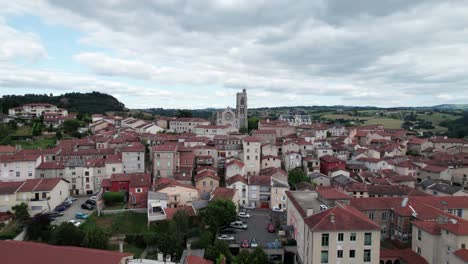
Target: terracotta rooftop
pixel 252 139
pixel 407 255
pixel 236 178
pixel 332 194
pixel 235 162
pixel 340 218
pixel 41 184
pixel 163 183
pixel 222 193
pixel 260 180
pixel 198 260
pixel 23 252
pixel 170 212
pixel 10 187
pixel 462 254
pixel 206 174
pixel 329 158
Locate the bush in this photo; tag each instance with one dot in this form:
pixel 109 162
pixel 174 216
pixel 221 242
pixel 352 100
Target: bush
pixel 137 240
pixel 111 198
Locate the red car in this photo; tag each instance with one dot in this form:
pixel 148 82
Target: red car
pixel 271 228
pixel 245 243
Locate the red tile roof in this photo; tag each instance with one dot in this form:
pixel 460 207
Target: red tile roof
pixel 431 227
pixel 236 178
pixel 52 165
pixel 223 193
pixel 329 158
pixel 139 179
pixel 163 183
pixel 10 187
pixel 168 146
pixel 206 174
pixel 462 254
pixel 265 132
pixel 332 194
pixel 134 147
pixel 252 139
pixel 260 180
pixel 42 184
pixel 235 162
pixel 7 149
pixel 407 255
pixel 171 211
pixel 14 252
pixel 340 218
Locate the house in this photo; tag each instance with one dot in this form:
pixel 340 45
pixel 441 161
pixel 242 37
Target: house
pixel 133 158
pixel 278 198
pixel 339 234
pixel 178 194
pixel 186 124
pixel 25 252
pixel 268 136
pixel 40 194
pixel 441 188
pixel 434 172
pixel 328 162
pixel 225 193
pixel 19 167
pixel 138 189
pixel 259 191
pixel 35 110
pixel 419 145
pixel 239 183
pixel 251 154
pixel 206 182
pixel 310 164
pixel 165 160
pixel 292 160
pixel 234 167
pixel 269 161
pixel 319 179
pixel 157 203
pixel 213 130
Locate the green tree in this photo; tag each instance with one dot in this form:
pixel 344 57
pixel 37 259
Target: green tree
pixel 242 258
pixel 67 234
pixel 253 123
pixel 183 113
pixel 58 135
pixel 95 238
pixel 258 257
pixel 39 228
pixel 111 198
pixel 243 130
pixel 181 224
pixel 219 248
pixel 21 212
pixel 12 124
pixel 220 213
pixel 71 126
pixel 296 176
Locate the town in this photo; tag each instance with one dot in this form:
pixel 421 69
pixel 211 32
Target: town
pixel 193 190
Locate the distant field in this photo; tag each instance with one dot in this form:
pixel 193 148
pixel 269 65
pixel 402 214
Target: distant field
pixel 437 118
pixel 23 131
pixel 386 122
pixel 345 117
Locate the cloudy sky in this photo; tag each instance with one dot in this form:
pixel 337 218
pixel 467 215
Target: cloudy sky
pixel 197 54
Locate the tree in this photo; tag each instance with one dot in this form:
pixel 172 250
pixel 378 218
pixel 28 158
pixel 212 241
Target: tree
pixel 21 212
pixel 243 130
pixel 258 257
pixel 219 248
pixel 253 123
pixel 296 176
pixel 58 135
pixel 183 113
pixel 39 228
pixel 220 213
pixel 181 222
pixel 12 124
pixel 71 126
pixel 242 258
pixel 67 234
pixel 111 198
pixel 95 238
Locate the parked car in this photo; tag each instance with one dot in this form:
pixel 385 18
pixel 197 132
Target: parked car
pixel 241 220
pixel 81 215
pixel 323 207
pixel 75 222
pixel 94 198
pixel 253 243
pixel 271 228
pixel 248 207
pixel 87 206
pixel 228 231
pixel 92 202
pixel 54 214
pixel 277 209
pixel 245 243
pixel 244 215
pixel 60 208
pixel 68 203
pixel 226 237
pixel 72 198
pixel 238 225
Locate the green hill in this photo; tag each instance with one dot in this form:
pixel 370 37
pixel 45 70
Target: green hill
pixel 89 103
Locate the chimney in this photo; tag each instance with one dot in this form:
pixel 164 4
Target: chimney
pixel 309 212
pixel 442 219
pixel 332 217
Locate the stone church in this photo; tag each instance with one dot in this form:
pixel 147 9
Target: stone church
pixel 237 118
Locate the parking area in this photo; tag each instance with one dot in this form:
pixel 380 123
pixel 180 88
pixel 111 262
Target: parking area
pixel 70 213
pixel 257 228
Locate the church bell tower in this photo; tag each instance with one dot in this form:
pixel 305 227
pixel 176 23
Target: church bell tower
pixel 241 109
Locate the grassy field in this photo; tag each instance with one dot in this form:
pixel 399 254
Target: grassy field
pixel 36 143
pixel 345 117
pixel 23 131
pixel 386 122
pixel 437 118
pixel 116 224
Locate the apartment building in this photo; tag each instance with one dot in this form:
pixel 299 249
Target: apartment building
pixel 165 160
pixel 133 158
pixel 187 124
pixel 19 167
pixel 252 154
pixel 36 110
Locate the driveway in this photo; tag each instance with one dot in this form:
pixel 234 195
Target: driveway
pixel 257 228
pixel 70 213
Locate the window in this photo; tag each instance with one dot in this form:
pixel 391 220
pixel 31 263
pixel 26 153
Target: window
pixel 86 173
pixel 418 250
pixel 352 237
pixel 352 253
pixel 325 238
pixel 139 190
pixel 371 215
pixel 17 174
pixel 211 183
pixel 339 254
pixel 113 169
pixel 324 257
pixel 384 216
pixel 44 195
pixel 419 234
pixel 367 239
pixel 74 180
pixel 367 255
pixel 158 156
pixel 204 183
pixel 340 236
pixel 30 174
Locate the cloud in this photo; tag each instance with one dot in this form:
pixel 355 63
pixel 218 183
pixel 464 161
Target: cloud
pixel 327 52
pixel 15 44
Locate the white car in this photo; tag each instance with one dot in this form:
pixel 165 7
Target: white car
pixel 94 198
pixel 226 237
pixel 244 215
pixel 277 209
pixel 247 207
pixel 75 222
pixel 238 225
